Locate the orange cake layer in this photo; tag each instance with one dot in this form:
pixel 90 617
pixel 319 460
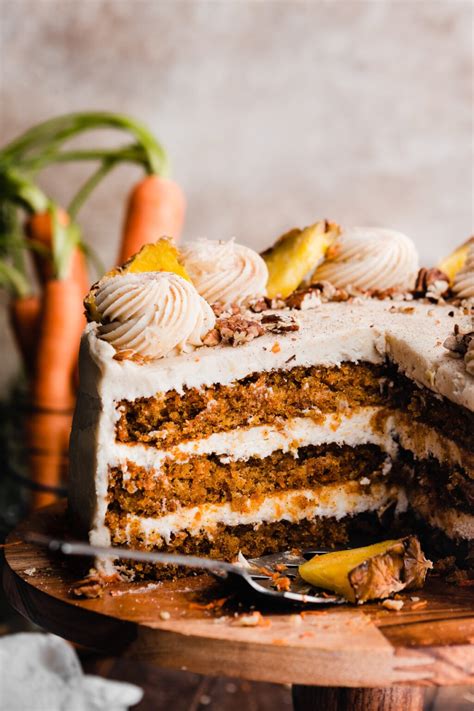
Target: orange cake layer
pixel 446 486
pixel 454 421
pixel 225 544
pixel 261 398
pixel 206 479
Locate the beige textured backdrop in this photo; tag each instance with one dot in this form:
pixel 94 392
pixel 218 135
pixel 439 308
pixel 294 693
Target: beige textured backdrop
pixel 273 113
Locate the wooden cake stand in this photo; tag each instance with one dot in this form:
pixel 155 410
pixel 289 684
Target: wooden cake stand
pixel 336 658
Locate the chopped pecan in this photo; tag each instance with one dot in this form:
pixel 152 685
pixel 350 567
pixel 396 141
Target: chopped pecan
pixel 341 295
pixel 260 305
pixel 277 323
pixel 469 357
pixel 90 587
pixel 236 330
pixel 265 304
pixel 432 284
pixel 305 298
pixel 458 343
pixel 212 338
pixel 225 310
pixel 382 294
pixel 326 289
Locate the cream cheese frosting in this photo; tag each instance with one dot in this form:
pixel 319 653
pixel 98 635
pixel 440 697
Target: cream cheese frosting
pixel 152 314
pixel 411 336
pixel 330 501
pixel 469 358
pixel 463 285
pixel 371 258
pixel 225 271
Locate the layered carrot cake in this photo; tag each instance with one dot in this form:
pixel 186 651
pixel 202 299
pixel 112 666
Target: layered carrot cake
pixel 236 402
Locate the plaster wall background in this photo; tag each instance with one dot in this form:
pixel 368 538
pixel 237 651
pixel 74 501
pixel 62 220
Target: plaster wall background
pixel 274 114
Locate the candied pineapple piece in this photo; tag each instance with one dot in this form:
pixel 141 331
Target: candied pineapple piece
pixel 369 573
pixel 160 256
pixel 454 262
pixel 297 254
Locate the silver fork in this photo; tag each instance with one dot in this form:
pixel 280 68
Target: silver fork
pixel 255 576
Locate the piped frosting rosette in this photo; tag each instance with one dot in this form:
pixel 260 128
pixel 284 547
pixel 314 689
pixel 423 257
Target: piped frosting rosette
pixel 225 272
pixel 463 285
pixel 152 314
pixel 367 258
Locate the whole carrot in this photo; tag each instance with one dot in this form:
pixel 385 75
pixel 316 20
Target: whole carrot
pixel 24 320
pixel 47 435
pixel 62 322
pixel 39 230
pixel 155 208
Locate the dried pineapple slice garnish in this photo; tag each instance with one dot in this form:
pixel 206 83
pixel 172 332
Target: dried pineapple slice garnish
pixel 295 255
pixel 369 573
pixel 454 262
pixel 160 256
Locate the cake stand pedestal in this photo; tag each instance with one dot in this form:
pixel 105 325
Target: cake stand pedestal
pixel 359 658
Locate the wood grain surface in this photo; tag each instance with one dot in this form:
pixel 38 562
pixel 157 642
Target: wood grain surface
pixel 395 698
pixel 428 642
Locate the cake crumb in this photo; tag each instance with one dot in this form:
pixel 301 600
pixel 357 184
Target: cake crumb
pixel 165 615
pixel 393 605
pixel 419 605
pixel 90 587
pixel 254 619
pixel 29 571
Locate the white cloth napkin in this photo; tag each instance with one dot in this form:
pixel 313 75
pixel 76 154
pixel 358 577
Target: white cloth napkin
pixel 41 672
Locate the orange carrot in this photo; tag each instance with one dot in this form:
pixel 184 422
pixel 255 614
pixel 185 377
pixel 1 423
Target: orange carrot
pixel 47 435
pixel 62 322
pixel 155 209
pixel 24 319
pixel 39 229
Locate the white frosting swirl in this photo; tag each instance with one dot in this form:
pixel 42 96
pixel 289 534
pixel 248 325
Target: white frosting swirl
pixel 463 285
pixel 371 258
pixel 152 314
pixel 225 271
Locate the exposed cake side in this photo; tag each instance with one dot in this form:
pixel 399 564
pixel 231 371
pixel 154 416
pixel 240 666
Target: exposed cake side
pixel 412 336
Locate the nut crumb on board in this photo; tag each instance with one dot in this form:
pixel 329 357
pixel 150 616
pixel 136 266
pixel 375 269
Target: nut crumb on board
pixel 253 619
pixel 419 604
pixel 393 605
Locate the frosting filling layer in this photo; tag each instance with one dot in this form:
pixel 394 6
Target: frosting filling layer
pixel 354 427
pixel 262 398
pixel 331 501
pixel 454 523
pixel 207 479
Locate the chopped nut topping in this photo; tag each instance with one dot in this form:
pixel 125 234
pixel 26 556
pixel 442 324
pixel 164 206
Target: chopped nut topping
pixel 432 284
pixel 237 328
pixel 233 330
pixel 131 355
pixel 260 305
pixel 279 324
pixel 253 619
pixel 90 587
pixel 304 299
pixel 212 338
pixel 225 310
pixel 458 343
pixel 266 304
pixel 394 605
